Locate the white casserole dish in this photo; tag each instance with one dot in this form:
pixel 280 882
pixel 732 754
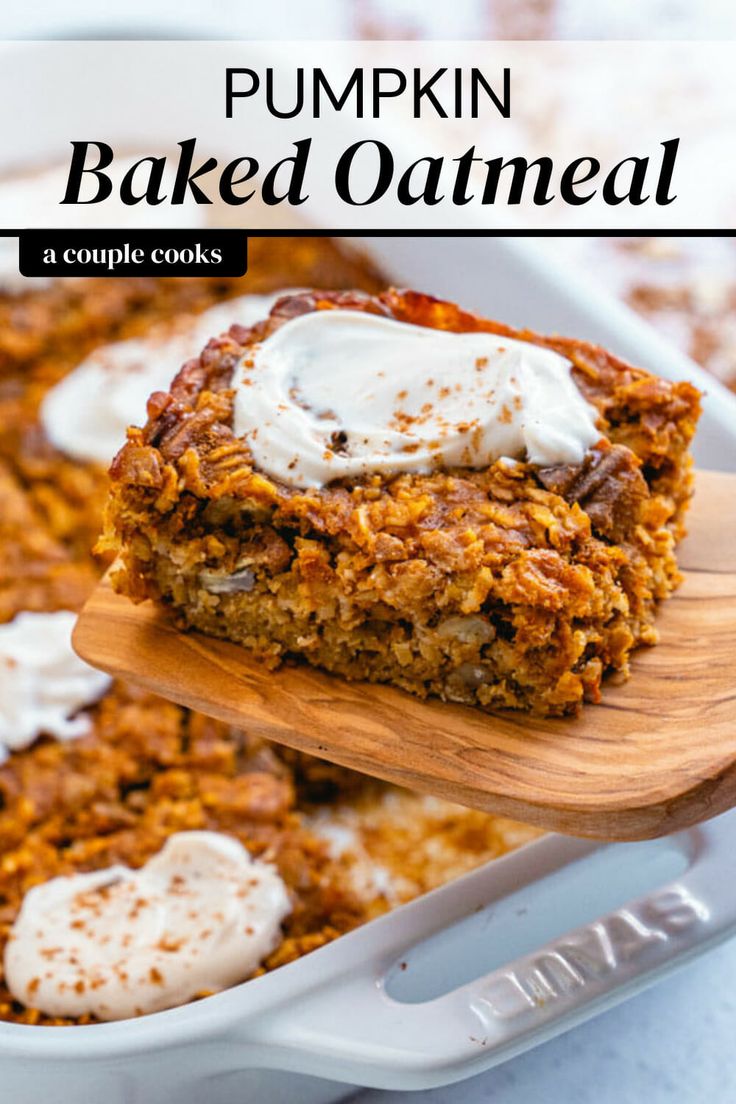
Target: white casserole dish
pixel 484 968
pixel 443 988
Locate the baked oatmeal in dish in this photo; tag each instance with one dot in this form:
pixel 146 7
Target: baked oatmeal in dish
pixel 393 489
pixel 110 797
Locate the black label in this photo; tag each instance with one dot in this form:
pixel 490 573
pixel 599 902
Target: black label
pixel 133 252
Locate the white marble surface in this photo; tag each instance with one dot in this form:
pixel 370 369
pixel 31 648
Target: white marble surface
pixel 673 1044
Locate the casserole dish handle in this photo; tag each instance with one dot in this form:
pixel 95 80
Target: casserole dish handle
pixel 388 1012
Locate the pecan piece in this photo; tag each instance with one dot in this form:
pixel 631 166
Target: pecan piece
pixel 608 486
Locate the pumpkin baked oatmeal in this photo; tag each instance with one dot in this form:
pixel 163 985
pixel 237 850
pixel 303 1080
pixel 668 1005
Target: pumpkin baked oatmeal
pixel 396 490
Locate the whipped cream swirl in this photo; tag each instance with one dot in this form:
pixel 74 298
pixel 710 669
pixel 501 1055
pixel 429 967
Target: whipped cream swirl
pixel 341 393
pixel 201 915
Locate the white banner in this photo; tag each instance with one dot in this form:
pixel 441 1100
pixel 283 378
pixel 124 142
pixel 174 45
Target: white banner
pixel 365 135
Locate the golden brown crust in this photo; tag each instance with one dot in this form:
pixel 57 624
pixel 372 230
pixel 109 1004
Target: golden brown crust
pixel 559 568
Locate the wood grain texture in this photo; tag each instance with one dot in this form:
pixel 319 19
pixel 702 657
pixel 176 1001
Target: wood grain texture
pixel 658 755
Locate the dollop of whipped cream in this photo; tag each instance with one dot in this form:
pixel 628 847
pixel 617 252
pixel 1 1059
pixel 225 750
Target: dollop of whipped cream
pixel 87 413
pixel 201 915
pixel 34 199
pixel 43 683
pixel 338 393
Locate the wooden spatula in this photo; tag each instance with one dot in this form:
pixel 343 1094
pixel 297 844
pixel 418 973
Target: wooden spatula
pixel 658 755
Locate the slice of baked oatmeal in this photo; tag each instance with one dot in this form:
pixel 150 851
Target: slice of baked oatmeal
pixel 505 559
